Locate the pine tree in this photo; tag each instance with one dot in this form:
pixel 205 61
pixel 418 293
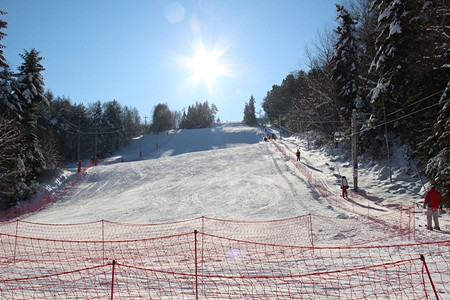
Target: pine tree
pixel 28 95
pixel 112 126
pixel 402 77
pixel 344 64
pixel 13 187
pixel 5 76
pixel 199 116
pixel 249 112
pixel 438 145
pixel 3 24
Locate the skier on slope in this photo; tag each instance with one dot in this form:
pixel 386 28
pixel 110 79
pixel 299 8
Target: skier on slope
pixel 433 199
pixel 344 187
pixel 298 154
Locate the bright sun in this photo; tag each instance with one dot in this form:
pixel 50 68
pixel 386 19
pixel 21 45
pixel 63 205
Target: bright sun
pixel 206 66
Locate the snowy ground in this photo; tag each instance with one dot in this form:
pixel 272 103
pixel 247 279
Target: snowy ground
pixel 229 172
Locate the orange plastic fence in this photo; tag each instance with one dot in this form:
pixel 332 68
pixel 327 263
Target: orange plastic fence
pixel 401 220
pixel 306 230
pixel 196 265
pixel 33 206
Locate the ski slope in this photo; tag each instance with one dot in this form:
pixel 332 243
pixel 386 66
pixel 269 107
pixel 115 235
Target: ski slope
pixel 229 172
pixel 271 233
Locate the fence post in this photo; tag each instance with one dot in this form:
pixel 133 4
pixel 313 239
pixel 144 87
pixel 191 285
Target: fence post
pixel 311 232
pixel 414 221
pixel 196 264
pixel 15 240
pixel 112 281
pixel 422 258
pixel 400 223
pixel 203 242
pixel 412 216
pixel 103 240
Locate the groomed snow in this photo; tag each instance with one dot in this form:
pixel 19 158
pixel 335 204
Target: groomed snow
pixel 229 172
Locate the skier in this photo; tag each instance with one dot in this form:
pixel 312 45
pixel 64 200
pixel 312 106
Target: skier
pixel 298 154
pixel 433 199
pixel 344 187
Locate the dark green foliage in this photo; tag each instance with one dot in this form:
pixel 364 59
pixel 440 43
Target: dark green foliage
pixel 28 95
pixel 249 112
pixel 162 118
pixel 200 115
pixel 344 65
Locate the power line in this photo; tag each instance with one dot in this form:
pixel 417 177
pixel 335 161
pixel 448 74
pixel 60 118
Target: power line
pixel 76 128
pixel 418 101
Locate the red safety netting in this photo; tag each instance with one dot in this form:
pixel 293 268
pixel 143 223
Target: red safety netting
pixel 197 265
pixel 207 258
pixel 306 230
pixel 33 206
pixel 401 220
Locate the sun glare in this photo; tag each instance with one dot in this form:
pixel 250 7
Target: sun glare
pixel 206 66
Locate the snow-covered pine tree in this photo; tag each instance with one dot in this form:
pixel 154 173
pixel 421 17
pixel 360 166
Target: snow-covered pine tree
pixel 438 145
pixel 28 94
pixel 393 65
pixel 5 74
pixel 12 170
pixel 13 187
pixel 345 64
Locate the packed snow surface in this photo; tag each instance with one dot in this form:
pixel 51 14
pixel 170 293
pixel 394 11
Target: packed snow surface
pixel 229 172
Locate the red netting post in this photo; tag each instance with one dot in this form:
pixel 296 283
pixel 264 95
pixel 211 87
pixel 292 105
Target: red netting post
pixel 422 258
pixel 203 245
pixel 311 232
pixel 103 240
pixel 112 280
pixel 15 241
pixel 196 265
pixel 414 221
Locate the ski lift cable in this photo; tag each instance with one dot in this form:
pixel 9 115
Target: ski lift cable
pixel 394 120
pixel 418 101
pixel 75 127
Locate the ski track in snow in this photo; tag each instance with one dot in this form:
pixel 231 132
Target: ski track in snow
pixel 226 172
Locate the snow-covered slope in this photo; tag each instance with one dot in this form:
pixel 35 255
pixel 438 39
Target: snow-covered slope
pixel 226 172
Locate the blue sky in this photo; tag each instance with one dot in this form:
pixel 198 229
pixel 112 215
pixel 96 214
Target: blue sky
pixel 145 52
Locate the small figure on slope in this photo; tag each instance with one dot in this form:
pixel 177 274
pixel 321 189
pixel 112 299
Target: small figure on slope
pixel 433 199
pixel 344 187
pixel 298 154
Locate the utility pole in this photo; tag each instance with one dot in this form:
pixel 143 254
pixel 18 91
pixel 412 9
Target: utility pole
pixel 354 157
pixel 387 144
pixel 279 123
pixel 145 124
pixel 79 126
pixel 95 149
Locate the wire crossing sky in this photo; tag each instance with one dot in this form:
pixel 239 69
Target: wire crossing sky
pixel 142 53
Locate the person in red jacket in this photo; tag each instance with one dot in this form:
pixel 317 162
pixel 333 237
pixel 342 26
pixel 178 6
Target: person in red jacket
pixel 344 187
pixel 433 199
pixel 298 154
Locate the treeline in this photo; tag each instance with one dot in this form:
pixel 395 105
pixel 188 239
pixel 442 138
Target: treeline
pixel 200 115
pixel 39 132
pixel 389 61
pixel 74 131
